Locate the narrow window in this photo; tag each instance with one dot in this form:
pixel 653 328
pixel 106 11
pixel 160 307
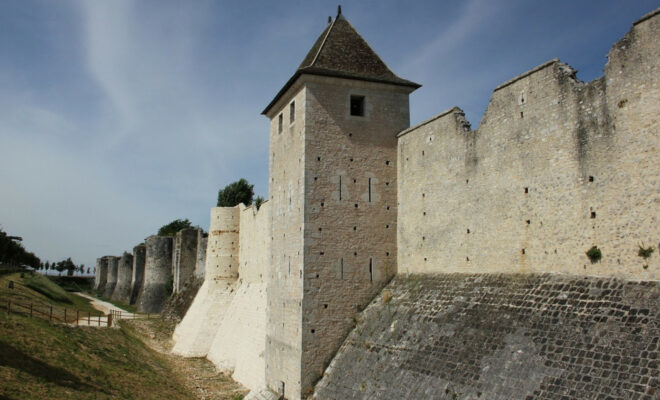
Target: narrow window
pixel 342 268
pixel 591 178
pixel 369 190
pixel 357 106
pixel 292 112
pixel 279 124
pixel 371 269
pixel 339 187
pixel 289 265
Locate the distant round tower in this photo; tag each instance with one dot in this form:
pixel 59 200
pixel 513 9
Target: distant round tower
pixel 200 266
pixel 111 282
pixel 101 273
pixel 184 257
pixel 222 246
pixel 157 274
pixel 124 274
pixel 138 271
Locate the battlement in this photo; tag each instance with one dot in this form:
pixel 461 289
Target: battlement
pixel 546 177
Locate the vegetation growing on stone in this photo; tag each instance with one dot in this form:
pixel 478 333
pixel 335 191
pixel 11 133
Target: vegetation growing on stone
pixel 173 227
pixel 645 252
pixel 594 254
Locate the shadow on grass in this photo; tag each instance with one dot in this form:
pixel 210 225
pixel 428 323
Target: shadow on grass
pixel 14 358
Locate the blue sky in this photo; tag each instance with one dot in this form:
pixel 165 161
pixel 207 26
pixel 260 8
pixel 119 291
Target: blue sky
pixel 117 117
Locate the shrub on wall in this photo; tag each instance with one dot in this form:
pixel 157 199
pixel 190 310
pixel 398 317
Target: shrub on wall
pixel 594 254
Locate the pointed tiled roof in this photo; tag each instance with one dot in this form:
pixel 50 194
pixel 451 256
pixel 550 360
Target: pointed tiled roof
pixel 341 52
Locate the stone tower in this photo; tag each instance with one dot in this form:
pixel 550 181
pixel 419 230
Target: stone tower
pixel 333 186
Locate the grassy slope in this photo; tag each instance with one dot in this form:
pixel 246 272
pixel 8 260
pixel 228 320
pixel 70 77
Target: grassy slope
pixel 39 360
pixel 39 290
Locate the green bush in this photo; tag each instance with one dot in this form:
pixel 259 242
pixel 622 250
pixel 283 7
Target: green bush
pixel 645 252
pixel 594 254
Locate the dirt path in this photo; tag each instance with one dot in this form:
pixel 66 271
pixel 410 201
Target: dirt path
pixel 101 305
pixel 198 374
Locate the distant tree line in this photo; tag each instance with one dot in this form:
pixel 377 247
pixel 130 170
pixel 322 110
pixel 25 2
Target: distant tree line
pixel 12 252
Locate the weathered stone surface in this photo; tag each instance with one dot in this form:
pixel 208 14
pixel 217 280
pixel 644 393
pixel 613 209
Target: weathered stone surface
pixel 122 290
pixel 557 166
pixel 101 275
pixel 200 265
pixel 157 274
pixel 184 257
pixel 113 263
pixel 485 336
pixel 139 253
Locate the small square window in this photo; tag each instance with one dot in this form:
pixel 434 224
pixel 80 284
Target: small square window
pixel 279 124
pixel 357 106
pixel 292 111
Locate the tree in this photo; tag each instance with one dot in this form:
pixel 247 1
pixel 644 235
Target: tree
pixel 235 193
pixel 173 227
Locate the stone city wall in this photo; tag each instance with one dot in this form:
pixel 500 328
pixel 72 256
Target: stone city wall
pixel 200 265
pixel 240 342
pixel 101 273
pixel 138 271
pixel 556 167
pixel 194 335
pixel 502 336
pixel 157 273
pixel 122 290
pixel 184 257
pixel 111 282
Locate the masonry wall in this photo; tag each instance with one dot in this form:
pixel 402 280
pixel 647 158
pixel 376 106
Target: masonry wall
pixel 200 264
pixel 285 281
pixel 184 256
pixel 195 333
pixel 111 281
pixel 502 336
pixel 102 273
pixel 139 253
pixel 122 290
pixel 157 270
pixel 350 209
pixel 556 167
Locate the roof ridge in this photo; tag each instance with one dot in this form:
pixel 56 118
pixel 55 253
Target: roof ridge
pixel 323 43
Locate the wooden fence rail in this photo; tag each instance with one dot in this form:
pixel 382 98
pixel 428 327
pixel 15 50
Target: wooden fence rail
pixel 56 314
pixel 68 315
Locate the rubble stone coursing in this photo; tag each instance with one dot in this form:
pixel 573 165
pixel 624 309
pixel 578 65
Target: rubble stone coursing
pixel 496 336
pixel 157 274
pixel 122 290
pixel 138 271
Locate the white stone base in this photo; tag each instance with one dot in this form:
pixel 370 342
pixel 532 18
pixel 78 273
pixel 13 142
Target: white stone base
pixel 194 334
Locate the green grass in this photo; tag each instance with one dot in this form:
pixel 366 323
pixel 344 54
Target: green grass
pixel 39 360
pixel 40 291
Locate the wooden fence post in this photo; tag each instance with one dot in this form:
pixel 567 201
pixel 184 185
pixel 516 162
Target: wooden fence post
pixel 89 318
pixel 50 318
pixel 8 306
pixel 77 317
pixel 65 315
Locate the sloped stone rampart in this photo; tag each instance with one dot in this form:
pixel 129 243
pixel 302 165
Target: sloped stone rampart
pixel 459 336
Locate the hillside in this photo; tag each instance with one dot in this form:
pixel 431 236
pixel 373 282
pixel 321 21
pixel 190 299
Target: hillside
pixel 40 360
